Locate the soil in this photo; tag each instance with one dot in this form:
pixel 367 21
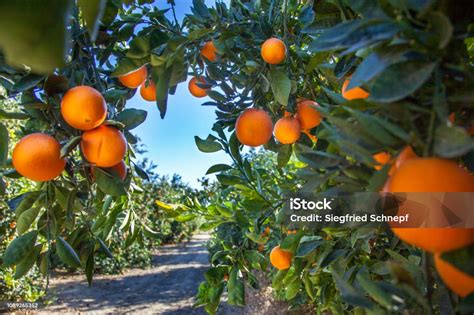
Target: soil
pixel 168 287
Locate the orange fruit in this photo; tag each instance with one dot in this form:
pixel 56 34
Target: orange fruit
pixel 148 92
pixel 273 51
pixel 226 277
pixel 134 78
pixel 12 225
pixel 308 115
pixel 83 108
pixel 291 232
pixel 452 117
pixel 103 146
pixel 433 175
pixel 261 248
pixel 280 258
pixel 254 127
pixel 266 231
pixel 209 51
pixel 354 93
pixel 287 130
pixel 195 90
pixel 459 282
pixel 381 158
pixel 37 157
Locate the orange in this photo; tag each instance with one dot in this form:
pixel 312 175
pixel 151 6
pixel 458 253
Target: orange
pixel 134 78
pixel 308 115
pixel 254 127
pixel 209 51
pixel 226 277
pixel 261 248
pixel 354 93
pixel 381 158
pixel 83 108
pixel 273 51
pixel 103 146
pixel 452 117
pixel 291 232
pixel 287 130
pixel 266 231
pixel 280 258
pixel 195 90
pixel 459 282
pixel 12 225
pixel 433 175
pixel 148 92
pixel 38 157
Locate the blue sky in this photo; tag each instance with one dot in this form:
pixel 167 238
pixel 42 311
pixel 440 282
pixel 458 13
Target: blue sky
pixel 170 142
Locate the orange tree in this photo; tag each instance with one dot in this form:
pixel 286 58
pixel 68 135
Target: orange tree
pixel 348 86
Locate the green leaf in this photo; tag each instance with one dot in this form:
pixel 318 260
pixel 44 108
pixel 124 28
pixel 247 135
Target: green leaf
pixel 27 82
pixel 292 289
pixel 235 288
pixel 400 80
pixel 35 33
pixel 161 76
pixel 376 291
pixel 26 219
pixel 25 265
pixel 308 244
pixel 104 248
pixel 229 180
pixel 19 249
pixel 218 168
pixel 208 145
pixel 281 85
pixel 70 145
pixel 13 115
pixel 127 65
pixel 349 293
pixel 284 155
pixel 92 12
pixel 67 254
pixel 109 184
pixel 3 145
pixel 90 268
pixel 452 142
pixel 316 159
pixel 132 117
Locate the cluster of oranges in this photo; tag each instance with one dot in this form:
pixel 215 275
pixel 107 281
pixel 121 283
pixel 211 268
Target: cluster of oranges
pixel 138 78
pixel 38 156
pixel 410 173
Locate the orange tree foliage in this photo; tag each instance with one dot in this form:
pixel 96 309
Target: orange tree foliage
pixel 410 68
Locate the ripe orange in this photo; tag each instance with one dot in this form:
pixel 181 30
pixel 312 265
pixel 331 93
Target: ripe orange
pixel 433 175
pixel 254 127
pixel 280 258
pixel 148 92
pixel 37 157
pixel 83 108
pixel 103 146
pixel 287 130
pixel 381 158
pixel 134 78
pixel 459 282
pixel 226 277
pixel 307 114
pixel 354 93
pixel 273 51
pixel 452 117
pixel 291 232
pixel 195 90
pixel 209 51
pixel 12 225
pixel 266 231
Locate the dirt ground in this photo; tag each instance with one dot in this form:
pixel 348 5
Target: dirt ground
pixel 168 287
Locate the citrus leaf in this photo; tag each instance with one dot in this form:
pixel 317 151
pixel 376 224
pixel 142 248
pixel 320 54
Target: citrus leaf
pixel 3 145
pixel 281 85
pixel 400 80
pixel 19 248
pixel 67 254
pixel 208 145
pixel 26 219
pixel 70 145
pixel 235 289
pixel 451 142
pixel 132 117
pixel 218 168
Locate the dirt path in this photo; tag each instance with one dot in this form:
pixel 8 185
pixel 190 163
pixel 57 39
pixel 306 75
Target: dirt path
pixel 168 287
